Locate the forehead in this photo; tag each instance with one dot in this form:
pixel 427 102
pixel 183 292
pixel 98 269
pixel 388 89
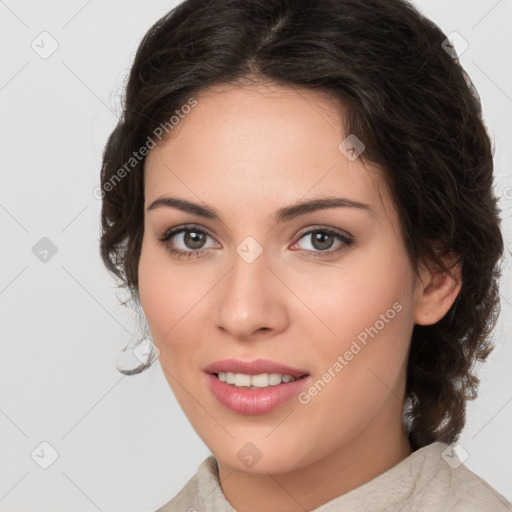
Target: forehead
pixel 256 143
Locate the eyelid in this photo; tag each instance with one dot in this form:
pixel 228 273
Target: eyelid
pixel 322 227
pixel 183 227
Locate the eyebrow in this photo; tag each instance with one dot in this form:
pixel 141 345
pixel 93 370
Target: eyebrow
pixel 282 215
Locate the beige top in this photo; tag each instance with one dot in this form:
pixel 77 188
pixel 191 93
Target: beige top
pixel 430 479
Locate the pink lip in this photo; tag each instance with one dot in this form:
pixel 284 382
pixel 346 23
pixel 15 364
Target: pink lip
pixel 244 400
pixel 255 367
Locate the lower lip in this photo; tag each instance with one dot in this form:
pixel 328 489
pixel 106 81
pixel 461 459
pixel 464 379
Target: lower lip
pixel 254 401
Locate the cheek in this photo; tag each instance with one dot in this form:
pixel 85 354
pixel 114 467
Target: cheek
pixel 158 293
pixel 366 315
pixel 151 292
pixel 165 303
pixel 172 297
pixel 367 288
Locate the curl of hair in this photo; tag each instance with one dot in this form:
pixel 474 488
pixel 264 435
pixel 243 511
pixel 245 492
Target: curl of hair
pixel 405 97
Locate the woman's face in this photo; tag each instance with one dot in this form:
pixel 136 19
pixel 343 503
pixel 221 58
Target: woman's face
pixel 329 292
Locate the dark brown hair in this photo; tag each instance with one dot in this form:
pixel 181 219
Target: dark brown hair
pixel 406 97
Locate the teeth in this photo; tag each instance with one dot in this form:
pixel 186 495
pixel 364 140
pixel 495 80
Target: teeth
pixel 262 380
pixel 275 378
pixel 242 380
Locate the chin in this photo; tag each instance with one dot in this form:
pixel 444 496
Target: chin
pixel 263 456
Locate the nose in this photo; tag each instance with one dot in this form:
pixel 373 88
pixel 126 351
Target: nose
pixel 251 300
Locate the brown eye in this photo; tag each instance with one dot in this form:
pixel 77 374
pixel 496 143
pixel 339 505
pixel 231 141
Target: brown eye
pixel 322 240
pixel 194 239
pixel 185 241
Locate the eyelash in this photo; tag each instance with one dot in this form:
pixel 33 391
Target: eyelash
pixel 168 234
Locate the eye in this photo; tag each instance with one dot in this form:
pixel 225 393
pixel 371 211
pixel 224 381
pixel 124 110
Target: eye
pixel 322 239
pixel 185 241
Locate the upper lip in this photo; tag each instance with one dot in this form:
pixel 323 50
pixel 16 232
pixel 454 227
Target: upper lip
pixel 254 367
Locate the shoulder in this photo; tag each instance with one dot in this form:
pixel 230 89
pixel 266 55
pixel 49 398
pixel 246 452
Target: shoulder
pixel 185 500
pixel 462 489
pixel 201 493
pixel 473 493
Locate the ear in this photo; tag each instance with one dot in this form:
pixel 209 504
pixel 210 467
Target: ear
pixel 436 292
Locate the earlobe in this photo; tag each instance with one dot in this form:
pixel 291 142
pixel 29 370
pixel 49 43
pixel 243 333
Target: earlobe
pixel 438 291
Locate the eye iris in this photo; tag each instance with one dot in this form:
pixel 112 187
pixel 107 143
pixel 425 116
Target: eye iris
pixel 319 240
pixel 194 239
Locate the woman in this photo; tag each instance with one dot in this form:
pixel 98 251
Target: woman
pixel 299 197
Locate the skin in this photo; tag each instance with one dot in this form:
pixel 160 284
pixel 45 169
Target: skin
pixel 248 151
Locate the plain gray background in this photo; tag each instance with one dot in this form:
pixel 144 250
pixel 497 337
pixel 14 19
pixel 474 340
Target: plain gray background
pixel 122 442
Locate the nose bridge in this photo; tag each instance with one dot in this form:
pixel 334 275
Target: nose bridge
pixel 248 301
pixel 246 282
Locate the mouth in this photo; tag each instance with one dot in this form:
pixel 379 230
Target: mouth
pixel 257 387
